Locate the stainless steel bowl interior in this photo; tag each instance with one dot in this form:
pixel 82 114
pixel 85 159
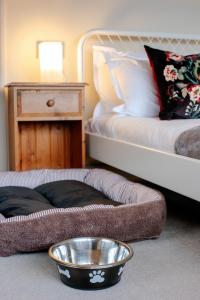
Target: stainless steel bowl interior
pixel 90 251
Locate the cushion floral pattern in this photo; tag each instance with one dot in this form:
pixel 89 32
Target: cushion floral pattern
pixel 178 81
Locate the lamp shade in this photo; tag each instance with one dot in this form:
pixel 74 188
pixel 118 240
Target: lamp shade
pixel 51 61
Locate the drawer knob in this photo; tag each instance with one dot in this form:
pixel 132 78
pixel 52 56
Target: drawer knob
pixel 50 102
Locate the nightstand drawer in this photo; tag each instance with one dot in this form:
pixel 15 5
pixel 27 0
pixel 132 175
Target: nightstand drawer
pixel 48 103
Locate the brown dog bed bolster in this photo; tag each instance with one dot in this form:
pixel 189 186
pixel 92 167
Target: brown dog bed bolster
pixel 141 216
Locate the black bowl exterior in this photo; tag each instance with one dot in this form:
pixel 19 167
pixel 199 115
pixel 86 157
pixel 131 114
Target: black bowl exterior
pixel 90 278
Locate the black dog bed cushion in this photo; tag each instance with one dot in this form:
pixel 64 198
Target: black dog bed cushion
pixel 17 201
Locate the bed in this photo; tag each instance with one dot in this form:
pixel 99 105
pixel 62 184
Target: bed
pixel 140 156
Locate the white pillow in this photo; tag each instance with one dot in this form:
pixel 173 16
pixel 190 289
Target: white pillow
pixel 103 81
pixel 134 84
pixel 102 75
pixel 102 108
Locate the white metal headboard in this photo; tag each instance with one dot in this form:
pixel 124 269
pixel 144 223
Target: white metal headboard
pixel 131 40
pixel 125 40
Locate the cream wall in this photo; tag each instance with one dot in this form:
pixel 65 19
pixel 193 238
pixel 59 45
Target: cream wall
pixel 27 21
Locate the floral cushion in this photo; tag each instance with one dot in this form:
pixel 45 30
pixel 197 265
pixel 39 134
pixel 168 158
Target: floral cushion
pixel 178 81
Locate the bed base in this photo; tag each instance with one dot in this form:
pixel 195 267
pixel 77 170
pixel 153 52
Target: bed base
pixel 177 173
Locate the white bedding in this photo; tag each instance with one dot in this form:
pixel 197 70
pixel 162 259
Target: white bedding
pixel 148 132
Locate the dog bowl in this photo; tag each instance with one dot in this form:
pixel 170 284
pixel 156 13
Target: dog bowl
pixel 90 262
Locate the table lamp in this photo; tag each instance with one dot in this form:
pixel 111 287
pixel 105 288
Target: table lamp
pixel 51 61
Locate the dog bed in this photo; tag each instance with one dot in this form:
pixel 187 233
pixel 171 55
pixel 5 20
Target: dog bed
pixel 111 207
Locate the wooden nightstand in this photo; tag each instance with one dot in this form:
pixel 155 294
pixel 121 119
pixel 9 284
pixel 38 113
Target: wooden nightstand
pixel 46 127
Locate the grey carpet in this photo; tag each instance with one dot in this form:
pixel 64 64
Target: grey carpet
pixel 166 268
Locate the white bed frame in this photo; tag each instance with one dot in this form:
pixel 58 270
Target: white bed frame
pixel 177 173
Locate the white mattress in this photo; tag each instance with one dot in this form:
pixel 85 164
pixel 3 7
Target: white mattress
pixel 148 132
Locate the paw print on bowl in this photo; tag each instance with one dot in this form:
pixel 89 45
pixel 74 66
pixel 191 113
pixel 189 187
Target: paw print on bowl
pixel 121 269
pixel 97 276
pixel 64 272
